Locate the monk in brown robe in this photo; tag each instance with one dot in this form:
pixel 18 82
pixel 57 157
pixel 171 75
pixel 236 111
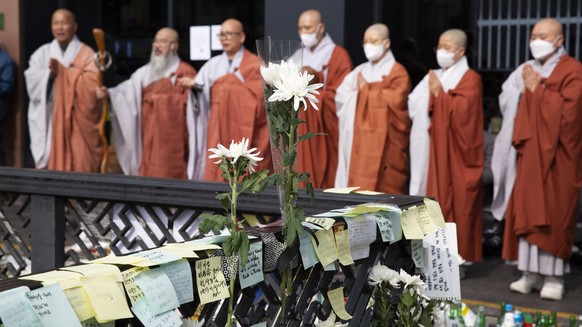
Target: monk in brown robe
pixel 157 129
pixel 547 132
pixel 329 63
pixel 373 120
pixel 456 156
pixel 64 112
pixel 232 89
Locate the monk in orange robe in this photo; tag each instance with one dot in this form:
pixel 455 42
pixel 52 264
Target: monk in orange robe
pixel 232 88
pixel 456 156
pixel 547 132
pixel 329 63
pixel 64 112
pixel 157 129
pixel 373 120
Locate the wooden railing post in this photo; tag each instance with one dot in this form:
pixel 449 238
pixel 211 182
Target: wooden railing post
pixel 47 232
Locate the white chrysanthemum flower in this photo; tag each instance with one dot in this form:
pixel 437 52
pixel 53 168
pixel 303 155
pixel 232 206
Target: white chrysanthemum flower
pixel 235 151
pixel 380 273
pixel 295 86
pixel 241 149
pixel 219 152
pixel 413 281
pixel 274 71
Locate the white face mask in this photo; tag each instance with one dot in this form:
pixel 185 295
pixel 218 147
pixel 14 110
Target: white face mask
pixel 309 40
pixel 541 48
pixel 374 51
pixel 445 58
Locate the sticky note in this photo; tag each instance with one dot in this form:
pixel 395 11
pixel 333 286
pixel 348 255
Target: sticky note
pixel 435 212
pixel 342 242
pixel 326 250
pixel 106 297
pixel 385 225
pixel 133 291
pixel 181 252
pixel 252 272
pixel 442 267
pixel 52 277
pixel 115 260
pixel 341 190
pixel 52 307
pixel 80 302
pixel 326 223
pixel 417 253
pixel 15 310
pixel 93 323
pixel 146 315
pixel 409 224
pixel 308 256
pixel 336 298
pixel 155 257
pixel 362 209
pixel 261 324
pixel 369 192
pixel 210 280
pixel 180 275
pixel 158 289
pixel 362 231
pixel 424 220
pixel 97 270
pixel 330 267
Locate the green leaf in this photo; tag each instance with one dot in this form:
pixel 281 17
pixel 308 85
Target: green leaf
pixel 211 222
pixel 253 182
pixel 309 135
pixel 227 246
pixel 310 191
pixel 289 158
pixel 407 298
pixel 244 248
pixel 224 199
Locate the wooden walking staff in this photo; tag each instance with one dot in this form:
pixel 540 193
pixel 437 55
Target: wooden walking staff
pixel 102 61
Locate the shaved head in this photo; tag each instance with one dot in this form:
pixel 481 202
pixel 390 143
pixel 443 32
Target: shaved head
pixel 379 31
pixel 232 36
pixel 233 25
pixel 457 36
pixel 551 25
pixel 66 14
pixel 168 33
pixel 312 15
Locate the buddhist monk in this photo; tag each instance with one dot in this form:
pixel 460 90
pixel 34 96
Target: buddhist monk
pixel 446 142
pixel 64 112
pixel 540 143
pixel 232 90
pixel 157 129
pixel 329 63
pixel 373 120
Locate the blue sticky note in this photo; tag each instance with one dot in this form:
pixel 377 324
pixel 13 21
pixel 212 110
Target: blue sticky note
pixel 180 275
pixel 308 255
pixel 158 289
pixel 330 267
pixel 15 309
pixel 52 307
pixel 143 311
pixel 261 324
pixel 252 272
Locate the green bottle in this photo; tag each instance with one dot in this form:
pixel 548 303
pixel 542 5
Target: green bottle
pixel 572 321
pixel 538 321
pixel 460 319
pixel 481 319
pixel 501 315
pixel 546 321
pixel 553 319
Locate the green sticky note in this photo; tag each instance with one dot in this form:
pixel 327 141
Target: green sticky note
pixel 15 309
pixel 158 289
pixel 52 307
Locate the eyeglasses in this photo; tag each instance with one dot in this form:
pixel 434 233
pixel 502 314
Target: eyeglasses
pixel 227 35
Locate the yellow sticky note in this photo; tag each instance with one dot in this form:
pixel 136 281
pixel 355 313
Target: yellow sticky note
pixel 326 250
pixel 133 291
pixel 179 251
pixel 107 298
pixel 425 223
pixel 336 298
pixel 342 241
pixel 210 280
pixel 341 190
pixel 321 221
pixel 115 260
pixel 53 277
pixel 196 246
pixel 409 224
pixel 362 209
pixel 435 212
pixel 251 220
pixel 369 192
pixel 97 270
pixel 80 302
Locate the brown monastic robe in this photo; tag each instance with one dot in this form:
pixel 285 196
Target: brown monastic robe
pixel 380 159
pixel 318 156
pixel 548 139
pixel 164 131
pixel 237 111
pixel 77 112
pixel 457 158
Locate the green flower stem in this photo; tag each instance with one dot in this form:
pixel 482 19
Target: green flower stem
pixel 232 180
